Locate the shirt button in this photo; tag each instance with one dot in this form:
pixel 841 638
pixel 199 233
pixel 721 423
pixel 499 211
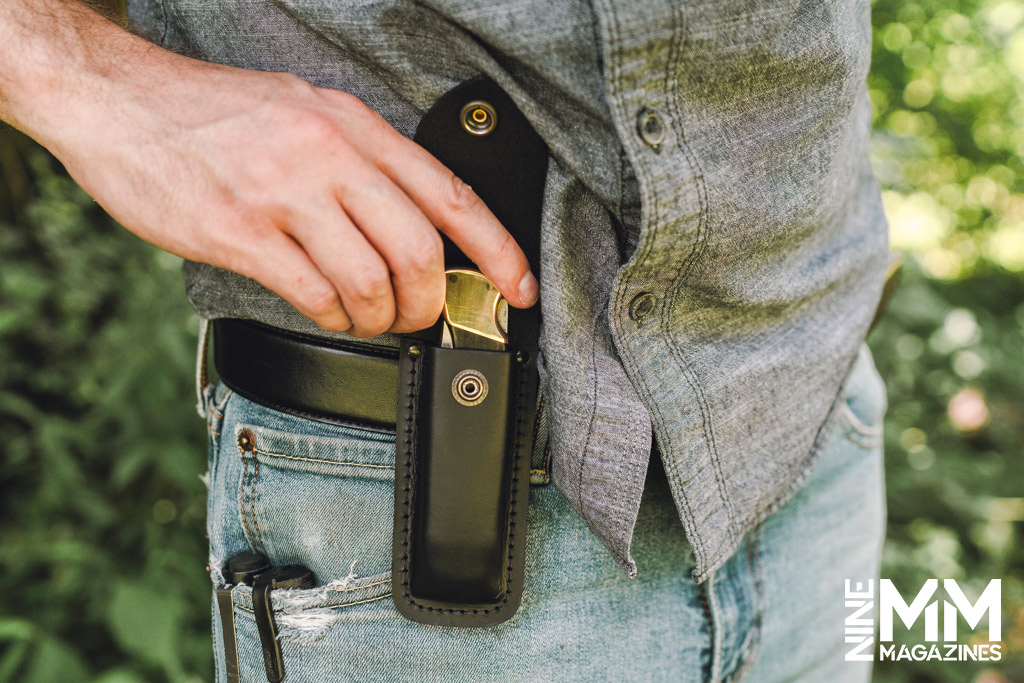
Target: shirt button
pixel 641 305
pixel 651 126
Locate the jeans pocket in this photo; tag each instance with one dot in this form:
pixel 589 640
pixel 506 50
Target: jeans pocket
pixel 304 619
pixel 313 493
pixel 303 492
pixel 863 402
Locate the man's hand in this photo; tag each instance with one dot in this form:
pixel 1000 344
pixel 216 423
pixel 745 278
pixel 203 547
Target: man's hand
pixel 304 189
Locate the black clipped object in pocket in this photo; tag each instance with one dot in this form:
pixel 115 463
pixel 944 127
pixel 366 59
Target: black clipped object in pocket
pixel 286 576
pixel 462 463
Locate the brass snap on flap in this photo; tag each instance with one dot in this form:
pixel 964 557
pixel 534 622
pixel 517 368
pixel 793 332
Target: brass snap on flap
pixel 478 117
pixel 469 387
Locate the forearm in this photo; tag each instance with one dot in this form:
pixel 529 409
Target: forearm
pixel 304 189
pixel 59 57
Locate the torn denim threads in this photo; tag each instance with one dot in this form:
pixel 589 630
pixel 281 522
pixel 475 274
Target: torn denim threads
pixel 713 239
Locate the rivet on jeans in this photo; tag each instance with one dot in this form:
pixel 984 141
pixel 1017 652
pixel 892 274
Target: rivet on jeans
pixel 246 441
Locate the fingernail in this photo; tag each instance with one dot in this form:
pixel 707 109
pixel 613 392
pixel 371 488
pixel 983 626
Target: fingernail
pixel 529 289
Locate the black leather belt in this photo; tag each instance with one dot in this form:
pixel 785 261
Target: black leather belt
pixel 341 382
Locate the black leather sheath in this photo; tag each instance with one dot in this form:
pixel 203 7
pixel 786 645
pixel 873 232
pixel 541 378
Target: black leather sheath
pixel 462 471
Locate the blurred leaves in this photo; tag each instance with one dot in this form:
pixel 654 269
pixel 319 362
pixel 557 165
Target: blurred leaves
pixel 948 146
pixel 147 623
pixel 945 83
pixel 99 437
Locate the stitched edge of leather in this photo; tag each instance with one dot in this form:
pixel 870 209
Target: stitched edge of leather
pixel 410 452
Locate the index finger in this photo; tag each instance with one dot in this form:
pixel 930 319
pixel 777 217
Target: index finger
pixel 456 210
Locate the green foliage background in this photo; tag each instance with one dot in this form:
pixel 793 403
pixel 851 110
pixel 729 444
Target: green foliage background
pixel 102 531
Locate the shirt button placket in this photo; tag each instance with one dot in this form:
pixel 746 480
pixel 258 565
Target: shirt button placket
pixel 652 130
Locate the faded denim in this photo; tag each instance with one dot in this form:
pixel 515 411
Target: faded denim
pixel 321 495
pixel 753 233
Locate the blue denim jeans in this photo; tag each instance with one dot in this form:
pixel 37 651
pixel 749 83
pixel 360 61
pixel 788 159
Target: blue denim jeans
pixel 321 495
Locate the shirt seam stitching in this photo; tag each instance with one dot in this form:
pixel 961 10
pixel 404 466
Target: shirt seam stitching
pixel 593 412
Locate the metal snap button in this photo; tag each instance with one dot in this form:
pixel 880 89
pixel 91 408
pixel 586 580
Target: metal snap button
pixel 642 305
pixel 478 117
pixel 469 387
pixel 651 125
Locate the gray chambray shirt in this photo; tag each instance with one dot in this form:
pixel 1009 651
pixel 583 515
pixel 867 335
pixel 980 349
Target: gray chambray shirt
pixel 714 287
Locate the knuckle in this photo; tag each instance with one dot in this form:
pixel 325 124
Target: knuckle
pixel 310 125
pixel 423 311
pixel 508 250
pixel 370 281
pixel 371 327
pixel 319 128
pixel 458 197
pixel 350 104
pixel 425 253
pixel 261 175
pixel 424 317
pixel 290 80
pixel 346 99
pixel 319 302
pixel 369 120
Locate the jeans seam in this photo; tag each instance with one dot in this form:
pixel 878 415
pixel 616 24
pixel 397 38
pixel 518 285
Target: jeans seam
pixel 855 431
pixel 217 408
pixel 753 641
pixel 244 500
pixel 252 503
pixel 856 424
pixel 863 442
pixel 707 596
pixel 320 460
pixel 543 470
pixel 202 379
pixel 541 473
pixel 249 521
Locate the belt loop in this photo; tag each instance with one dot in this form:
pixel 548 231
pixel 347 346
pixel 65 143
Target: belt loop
pixel 201 378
